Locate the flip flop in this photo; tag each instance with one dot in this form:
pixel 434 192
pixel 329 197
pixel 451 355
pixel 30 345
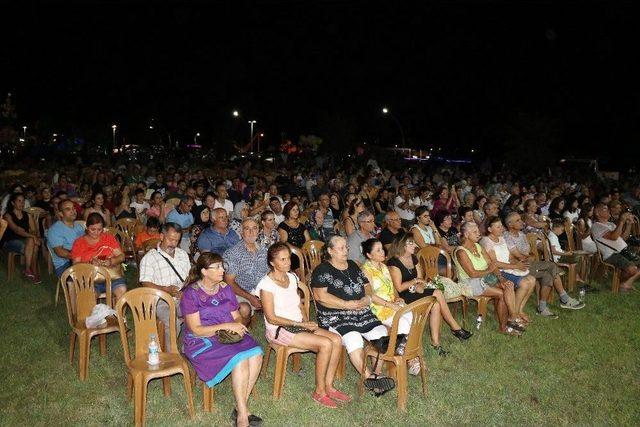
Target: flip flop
pixel 379 385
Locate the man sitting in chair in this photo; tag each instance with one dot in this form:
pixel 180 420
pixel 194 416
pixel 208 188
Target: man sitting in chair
pixel 246 264
pixel 166 268
pixel 608 238
pixel 61 236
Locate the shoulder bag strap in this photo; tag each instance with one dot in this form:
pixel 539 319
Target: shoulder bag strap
pixel 172 267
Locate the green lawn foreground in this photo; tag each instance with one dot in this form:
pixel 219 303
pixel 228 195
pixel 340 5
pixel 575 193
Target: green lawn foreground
pixel 581 369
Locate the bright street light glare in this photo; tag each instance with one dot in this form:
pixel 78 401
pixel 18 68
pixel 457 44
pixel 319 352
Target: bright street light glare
pixel 385 110
pixel 114 127
pixel 235 113
pixel 198 134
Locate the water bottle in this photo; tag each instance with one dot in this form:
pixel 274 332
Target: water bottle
pixel 154 351
pixel 479 321
pixel 581 295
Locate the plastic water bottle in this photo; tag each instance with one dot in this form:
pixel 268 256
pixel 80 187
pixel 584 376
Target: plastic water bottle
pixel 479 321
pixel 581 295
pixel 154 351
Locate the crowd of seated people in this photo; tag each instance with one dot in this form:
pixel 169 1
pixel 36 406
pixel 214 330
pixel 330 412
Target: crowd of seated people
pixel 232 233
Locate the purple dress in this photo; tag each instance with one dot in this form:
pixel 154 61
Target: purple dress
pixel 213 361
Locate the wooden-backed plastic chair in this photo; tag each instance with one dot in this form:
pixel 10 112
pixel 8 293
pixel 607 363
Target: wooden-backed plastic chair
pixel 302 270
pixel 420 310
pixel 574 243
pixel 533 239
pixel 600 264
pixel 571 268
pixel 143 303
pixel 428 259
pixel 312 253
pixel 283 352
pixel 78 285
pixel 3 226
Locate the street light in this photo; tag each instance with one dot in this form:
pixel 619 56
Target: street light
pixel 114 127
pixel 195 138
pixel 235 113
pixel 251 123
pixel 386 112
pixel 24 132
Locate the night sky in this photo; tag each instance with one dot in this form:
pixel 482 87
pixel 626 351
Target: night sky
pixel 455 74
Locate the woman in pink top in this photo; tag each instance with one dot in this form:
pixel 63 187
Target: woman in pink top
pixel 445 199
pixel 281 306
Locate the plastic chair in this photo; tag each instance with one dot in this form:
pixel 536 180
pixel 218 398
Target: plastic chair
pixel 143 303
pixel 533 239
pixel 428 259
pixel 303 268
pixel 77 283
pixel 283 352
pixel 615 271
pixel 414 348
pixel 574 242
pixel 571 268
pixel 312 253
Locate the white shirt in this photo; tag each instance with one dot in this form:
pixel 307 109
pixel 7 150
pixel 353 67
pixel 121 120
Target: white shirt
pixel 554 242
pixel 501 252
pixel 405 214
pixel 228 206
pixel 155 269
pixel 279 218
pixel 139 207
pixel 598 230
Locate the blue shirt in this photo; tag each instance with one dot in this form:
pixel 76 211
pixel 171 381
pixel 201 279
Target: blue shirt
pixel 62 235
pixel 183 220
pixel 211 240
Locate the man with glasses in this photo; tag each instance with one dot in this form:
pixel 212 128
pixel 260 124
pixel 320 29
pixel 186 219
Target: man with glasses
pixel 166 268
pixel 392 230
pixel 367 225
pixel 246 264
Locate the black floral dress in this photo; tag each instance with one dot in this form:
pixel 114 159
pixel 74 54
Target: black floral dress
pixel 348 285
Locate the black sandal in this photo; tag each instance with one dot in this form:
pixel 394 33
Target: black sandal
pixel 515 325
pixel 379 385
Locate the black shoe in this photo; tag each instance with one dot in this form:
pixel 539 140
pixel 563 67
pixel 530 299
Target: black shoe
pixel 516 326
pixel 401 343
pixel 462 334
pixel 588 288
pixel 254 420
pixel 441 351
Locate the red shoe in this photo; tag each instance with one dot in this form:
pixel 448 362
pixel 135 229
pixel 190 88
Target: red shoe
pixel 339 396
pixel 324 401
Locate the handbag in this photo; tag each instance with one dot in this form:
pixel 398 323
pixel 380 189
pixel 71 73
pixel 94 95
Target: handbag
pixel 490 279
pixel 226 336
pixel 624 252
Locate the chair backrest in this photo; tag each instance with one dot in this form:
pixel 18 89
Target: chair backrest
pixel 313 253
pixel 143 303
pixel 34 218
pixel 172 202
pixel 533 238
pixel 3 226
pixel 546 249
pixel 420 310
pixel 127 225
pixel 306 297
pixel 298 252
pixel 150 244
pixel 570 231
pixel 78 282
pixel 428 259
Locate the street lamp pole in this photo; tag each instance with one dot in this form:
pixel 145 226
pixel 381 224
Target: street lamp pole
pixel 386 112
pixel 251 123
pixel 114 127
pixel 24 132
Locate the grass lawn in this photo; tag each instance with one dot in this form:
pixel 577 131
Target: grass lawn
pixel 580 369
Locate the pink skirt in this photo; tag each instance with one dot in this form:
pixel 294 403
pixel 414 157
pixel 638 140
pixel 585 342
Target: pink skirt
pixel 284 337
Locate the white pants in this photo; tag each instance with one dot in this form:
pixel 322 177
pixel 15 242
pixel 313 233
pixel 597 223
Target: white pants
pixel 354 340
pixel 404 323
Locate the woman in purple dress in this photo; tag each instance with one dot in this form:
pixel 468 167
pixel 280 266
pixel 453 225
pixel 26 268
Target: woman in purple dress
pixel 208 306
